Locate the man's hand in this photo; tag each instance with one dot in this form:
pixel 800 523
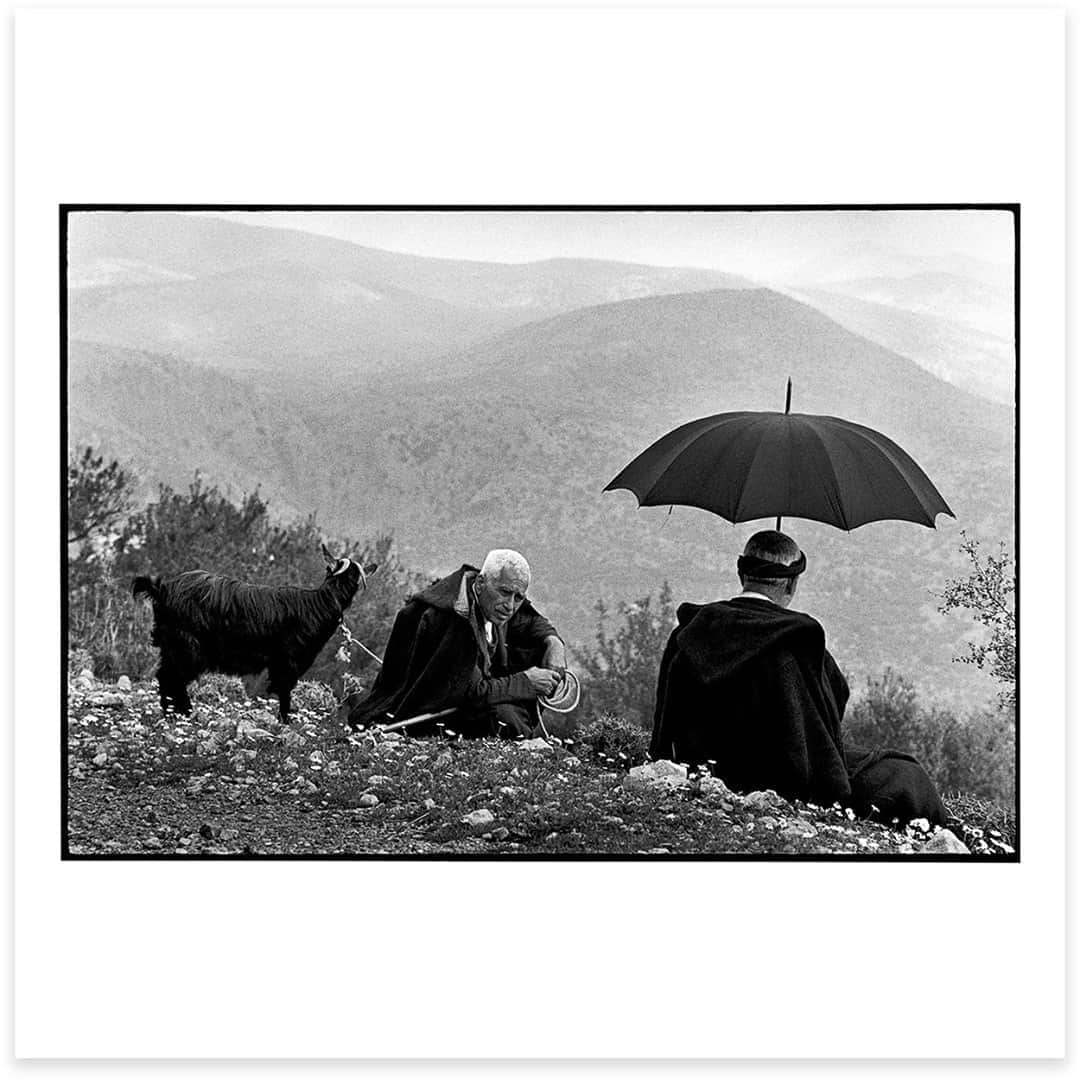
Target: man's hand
pixel 543 680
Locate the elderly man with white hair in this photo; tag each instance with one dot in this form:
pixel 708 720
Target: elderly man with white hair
pixel 472 642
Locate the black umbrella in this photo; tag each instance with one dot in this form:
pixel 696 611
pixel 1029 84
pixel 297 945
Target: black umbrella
pixel 750 465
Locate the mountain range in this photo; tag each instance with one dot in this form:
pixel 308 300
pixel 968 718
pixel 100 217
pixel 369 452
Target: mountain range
pixel 462 408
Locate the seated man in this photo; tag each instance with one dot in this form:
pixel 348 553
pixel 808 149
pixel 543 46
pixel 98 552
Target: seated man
pixel 748 688
pixel 473 642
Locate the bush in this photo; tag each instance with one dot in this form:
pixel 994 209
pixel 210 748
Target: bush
pixel 974 754
pixel 620 672
pixel 203 529
pixel 98 496
pixel 612 739
pixel 989 592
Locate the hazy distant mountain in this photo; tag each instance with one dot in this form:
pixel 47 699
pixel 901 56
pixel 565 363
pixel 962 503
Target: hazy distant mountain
pixel 944 295
pixel 129 250
pixel 982 363
pixel 263 316
pixel 514 445
pixel 863 259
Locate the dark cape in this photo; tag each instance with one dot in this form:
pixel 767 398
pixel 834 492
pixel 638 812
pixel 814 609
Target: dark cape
pixel 749 689
pixel 438 658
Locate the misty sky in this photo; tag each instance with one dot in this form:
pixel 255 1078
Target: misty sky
pixel 777 245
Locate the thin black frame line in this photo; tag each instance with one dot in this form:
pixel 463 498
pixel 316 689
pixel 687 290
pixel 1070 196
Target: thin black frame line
pixel 539 856
pixel 1016 519
pixel 67 208
pixel 530 207
pixel 64 522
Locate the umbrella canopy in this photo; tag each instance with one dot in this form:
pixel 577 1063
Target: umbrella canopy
pixel 749 465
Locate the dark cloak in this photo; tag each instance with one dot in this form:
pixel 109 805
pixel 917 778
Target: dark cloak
pixel 749 689
pixel 438 658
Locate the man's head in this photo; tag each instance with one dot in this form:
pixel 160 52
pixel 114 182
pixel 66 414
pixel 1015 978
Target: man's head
pixel 502 584
pixel 771 564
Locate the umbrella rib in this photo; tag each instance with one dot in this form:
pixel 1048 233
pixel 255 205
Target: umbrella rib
pixel 737 511
pixel 841 509
pixel 704 432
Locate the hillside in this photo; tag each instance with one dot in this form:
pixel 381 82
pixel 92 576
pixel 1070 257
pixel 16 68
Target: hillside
pixel 979 362
pixel 986 307
pixel 126 257
pixel 233 781
pixel 513 444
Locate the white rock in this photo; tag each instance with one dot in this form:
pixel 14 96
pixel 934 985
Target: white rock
pixel 106 699
pixel 101 759
pixel 655 770
pixel 429 804
pixel 760 799
pixel 535 744
pixel 369 800
pixel 919 823
pixel 478 818
pixel 123 683
pixel 946 842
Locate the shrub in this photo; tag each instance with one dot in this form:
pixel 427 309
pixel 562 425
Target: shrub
pixel 203 529
pixel 609 737
pixel 620 672
pixel 989 591
pixel 98 495
pixel 973 754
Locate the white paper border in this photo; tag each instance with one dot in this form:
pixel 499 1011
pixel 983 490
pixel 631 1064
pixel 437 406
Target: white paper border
pixel 585 106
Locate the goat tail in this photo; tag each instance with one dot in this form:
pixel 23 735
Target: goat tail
pixel 148 586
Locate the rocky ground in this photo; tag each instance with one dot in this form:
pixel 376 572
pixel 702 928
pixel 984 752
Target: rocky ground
pixel 232 780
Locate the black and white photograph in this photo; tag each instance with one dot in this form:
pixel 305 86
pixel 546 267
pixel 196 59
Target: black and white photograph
pixel 541 532
pixel 538 534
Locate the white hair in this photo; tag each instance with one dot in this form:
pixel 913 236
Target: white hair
pixel 503 560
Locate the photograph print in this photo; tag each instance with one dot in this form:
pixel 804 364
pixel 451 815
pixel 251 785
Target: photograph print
pixel 540 532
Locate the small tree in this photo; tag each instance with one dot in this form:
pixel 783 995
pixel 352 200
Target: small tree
pixel 989 591
pixel 621 670
pixel 99 495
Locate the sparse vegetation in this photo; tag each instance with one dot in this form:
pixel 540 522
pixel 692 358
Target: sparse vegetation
pixel 232 779
pixel 974 753
pixel 620 671
pixel 989 592
pixel 203 529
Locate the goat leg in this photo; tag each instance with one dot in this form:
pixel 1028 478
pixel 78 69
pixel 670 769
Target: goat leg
pixel 172 689
pixel 281 683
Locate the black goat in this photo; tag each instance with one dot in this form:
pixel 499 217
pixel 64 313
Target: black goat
pixel 206 622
